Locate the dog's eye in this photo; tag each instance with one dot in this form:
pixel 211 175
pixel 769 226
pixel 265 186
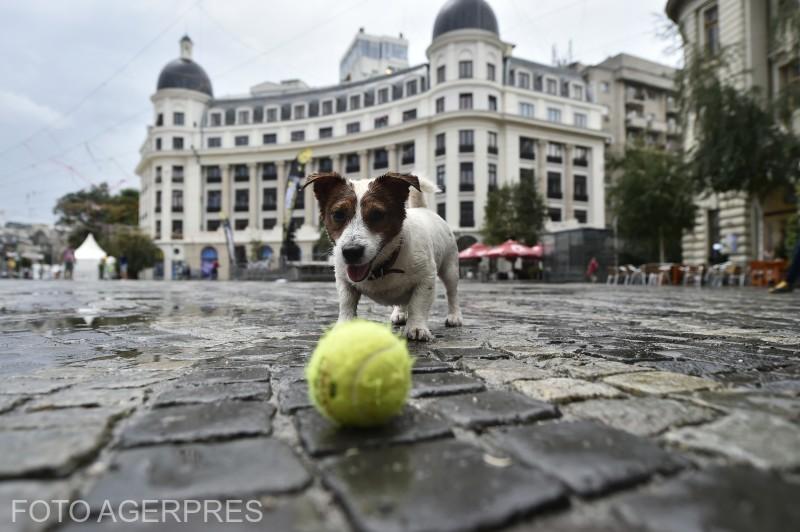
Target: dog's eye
pixel 376 216
pixel 338 216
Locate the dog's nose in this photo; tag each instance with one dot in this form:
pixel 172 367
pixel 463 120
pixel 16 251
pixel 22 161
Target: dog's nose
pixel 352 254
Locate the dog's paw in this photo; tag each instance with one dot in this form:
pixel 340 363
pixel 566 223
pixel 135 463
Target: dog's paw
pixel 398 317
pixel 454 320
pixel 419 333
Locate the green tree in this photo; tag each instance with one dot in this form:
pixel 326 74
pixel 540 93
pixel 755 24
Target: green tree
pixel 255 250
pixel 95 211
pixel 514 211
pixel 652 199
pixel 137 248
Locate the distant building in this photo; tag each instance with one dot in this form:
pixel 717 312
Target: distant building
pixel 471 119
pixel 372 55
pixel 747 229
pixel 35 242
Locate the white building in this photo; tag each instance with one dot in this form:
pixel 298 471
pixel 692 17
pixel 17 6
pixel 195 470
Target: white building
pixel 373 55
pixel 472 118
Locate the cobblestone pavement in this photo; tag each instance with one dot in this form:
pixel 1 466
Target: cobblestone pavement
pixel 556 408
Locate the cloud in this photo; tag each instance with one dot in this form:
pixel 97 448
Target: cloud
pixel 17 110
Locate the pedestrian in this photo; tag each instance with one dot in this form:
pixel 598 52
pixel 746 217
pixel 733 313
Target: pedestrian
pixel 787 285
pixel 123 267
pixel 101 269
pixel 68 257
pixel 215 270
pixel 591 270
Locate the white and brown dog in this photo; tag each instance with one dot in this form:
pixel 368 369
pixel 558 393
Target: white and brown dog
pixel 386 250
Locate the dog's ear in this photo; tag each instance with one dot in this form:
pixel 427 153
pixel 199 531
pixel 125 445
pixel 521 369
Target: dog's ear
pixel 324 183
pixel 397 180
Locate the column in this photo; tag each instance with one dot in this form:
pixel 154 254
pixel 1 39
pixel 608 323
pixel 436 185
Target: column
pixel 311 202
pixel 283 172
pixel 391 152
pixel 569 182
pixel 226 210
pixel 541 167
pixel 254 202
pixel 363 164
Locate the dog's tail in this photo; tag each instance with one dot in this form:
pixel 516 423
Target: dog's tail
pixel 416 198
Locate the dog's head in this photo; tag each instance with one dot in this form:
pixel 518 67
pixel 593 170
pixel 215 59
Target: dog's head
pixel 361 217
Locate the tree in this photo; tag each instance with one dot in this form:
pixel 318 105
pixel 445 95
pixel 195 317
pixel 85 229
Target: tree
pixel 137 248
pixel 95 210
pixel 652 198
pixel 514 211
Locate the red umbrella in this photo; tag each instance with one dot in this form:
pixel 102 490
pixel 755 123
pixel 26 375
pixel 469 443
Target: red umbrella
pixel 475 251
pixel 511 249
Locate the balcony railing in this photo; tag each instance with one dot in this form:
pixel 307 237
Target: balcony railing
pixel 492 150
pixel 352 168
pixel 527 155
pixel 580 197
pixel 177 208
pixel 269 207
pixel 241 207
pixel 466 187
pixel 555 159
pixel 213 208
pixel 466 148
pixel 177 235
pixel 580 162
pixel 554 194
pixel 439 151
pixel 407 160
pixel 380 163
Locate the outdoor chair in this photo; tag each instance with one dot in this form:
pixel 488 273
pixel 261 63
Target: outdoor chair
pixel 693 274
pixel 634 274
pixel 735 273
pixel 612 275
pixel 715 275
pixel 657 274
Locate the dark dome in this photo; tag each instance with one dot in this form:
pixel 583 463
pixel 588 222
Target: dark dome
pixel 465 14
pixel 184 74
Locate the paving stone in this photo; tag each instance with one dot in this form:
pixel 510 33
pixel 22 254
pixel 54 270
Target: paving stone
pixel 321 436
pixel 584 367
pixel 227 376
pixel 9 402
pixel 764 440
pixel 62 418
pixel 628 354
pixel 761 401
pixel 25 492
pixel 697 368
pixel 564 390
pixel 232 469
pixel 432 384
pixel 31 385
pixel 788 386
pixel 501 372
pixel 643 416
pixel 426 364
pixel 87 397
pixel 444 486
pixel 456 353
pixel 495 407
pixel 293 396
pixel 214 393
pixel 587 456
pixel 659 382
pixel 193 423
pixel 48 452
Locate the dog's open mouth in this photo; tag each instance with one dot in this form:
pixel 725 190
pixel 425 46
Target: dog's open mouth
pixel 358 273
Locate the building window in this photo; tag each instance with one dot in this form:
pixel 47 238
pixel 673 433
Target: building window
pixel 411 114
pixel 158 144
pixel 300 200
pixel 581 156
pixel 213 174
pixel 158 174
pixel 297 222
pixel 577 92
pixel 466 177
pixel 269 199
pixel 464 69
pixel 555 153
pixel 492 103
pixel 355 102
pixel 527 148
pixel 327 107
pixel 177 174
pixel 383 95
pixel 711 29
pixel 524 80
pixel 397 91
pixel 177 229
pixel 554 185
pixel 552 86
pixel 580 215
pixel 158 201
pixel 554 115
pixel 272 114
pixel 269 171
pixel 466 214
pixel 411 87
pixel 258 115
pixel 381 159
pixel 213 201
pixel 554 214
pixel 241 140
pixel 216 119
pixel 177 143
pixel 466 141
pixel 212 225
pixel 440 144
pixel 341 104
pixel 298 136
pixel 440 105
pixel 214 142
pixel 440 74
pixel 369 98
pixel 241 173
pixel 325 132
pixel 244 117
pixel 286 111
pixel 299 112
pixel 352 163
pixel 381 121
pixel 581 120
pixel 527 175
pixel 270 138
pixel 159 119
pixel 325 164
pixel 580 190
pixel 353 127
pixel 158 229
pixel 491 142
pixel 268 223
pixel 241 224
pixel 230 117
pixel 492 174
pixel 440 178
pixel 490 71
pixel 407 151
pixel 526 109
pixel 604 86
pixel 441 210
pixel 178 119
pixel 465 100
pixel 241 200
pixel 177 201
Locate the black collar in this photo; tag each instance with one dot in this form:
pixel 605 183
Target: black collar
pixel 385 268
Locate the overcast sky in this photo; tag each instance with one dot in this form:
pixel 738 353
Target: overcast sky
pixel 78 74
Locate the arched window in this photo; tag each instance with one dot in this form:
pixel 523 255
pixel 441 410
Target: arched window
pixel 266 252
pixel 208 257
pixel 465 241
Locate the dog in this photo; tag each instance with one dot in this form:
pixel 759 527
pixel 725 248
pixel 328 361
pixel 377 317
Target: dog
pixel 387 250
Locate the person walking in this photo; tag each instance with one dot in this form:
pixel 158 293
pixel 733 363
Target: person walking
pixel 787 285
pixel 69 262
pixel 591 270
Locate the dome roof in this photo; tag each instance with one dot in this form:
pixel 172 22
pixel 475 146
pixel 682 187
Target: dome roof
pixel 465 14
pixel 183 73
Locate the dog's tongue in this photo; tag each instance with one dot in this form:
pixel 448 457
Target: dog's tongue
pixel 358 273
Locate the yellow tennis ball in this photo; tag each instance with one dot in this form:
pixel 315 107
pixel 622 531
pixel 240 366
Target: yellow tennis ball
pixel 359 374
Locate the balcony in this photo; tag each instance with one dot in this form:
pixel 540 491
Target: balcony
pixel 657 125
pixel 580 197
pixel 555 159
pixel 380 163
pixel 466 148
pixel 674 129
pixel 177 235
pixel 466 187
pixel 581 162
pixel 241 207
pixel 636 122
pixel 269 207
pixel 177 208
pixel 351 168
pixel 439 151
pixel 213 208
pixel 407 160
pixel 554 194
pixel 492 149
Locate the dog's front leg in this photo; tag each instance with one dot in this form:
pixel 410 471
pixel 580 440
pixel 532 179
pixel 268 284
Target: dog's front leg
pixel 419 307
pixel 348 300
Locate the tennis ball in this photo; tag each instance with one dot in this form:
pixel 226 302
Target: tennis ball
pixel 359 374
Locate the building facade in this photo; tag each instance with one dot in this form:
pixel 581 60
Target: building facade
pixel 746 228
pixel 472 118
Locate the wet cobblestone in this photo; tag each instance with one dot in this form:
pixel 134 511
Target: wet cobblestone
pixel 558 408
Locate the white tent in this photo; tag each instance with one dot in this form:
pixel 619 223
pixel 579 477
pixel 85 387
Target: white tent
pixel 87 260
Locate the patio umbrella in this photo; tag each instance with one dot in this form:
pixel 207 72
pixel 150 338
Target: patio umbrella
pixel 511 249
pixel 475 251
